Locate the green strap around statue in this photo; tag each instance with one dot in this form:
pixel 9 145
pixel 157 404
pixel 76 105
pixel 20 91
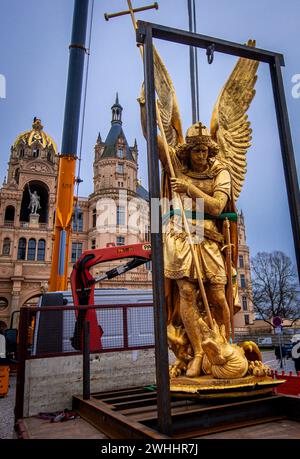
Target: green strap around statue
pixel 232 216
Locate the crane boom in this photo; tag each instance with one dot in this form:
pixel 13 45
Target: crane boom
pixel 67 161
pixel 83 284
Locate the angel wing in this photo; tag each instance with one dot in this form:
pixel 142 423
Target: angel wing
pixel 230 127
pixel 166 102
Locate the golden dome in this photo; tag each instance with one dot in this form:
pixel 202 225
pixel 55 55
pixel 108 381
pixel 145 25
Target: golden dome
pixel 36 135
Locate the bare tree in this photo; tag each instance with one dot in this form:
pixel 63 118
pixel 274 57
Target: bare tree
pixel 275 287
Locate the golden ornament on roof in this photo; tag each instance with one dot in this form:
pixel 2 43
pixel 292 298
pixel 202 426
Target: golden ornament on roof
pixel 36 134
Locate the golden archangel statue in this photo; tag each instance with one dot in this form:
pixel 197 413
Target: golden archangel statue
pixel 210 166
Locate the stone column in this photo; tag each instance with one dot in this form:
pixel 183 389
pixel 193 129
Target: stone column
pixel 15 301
pixel 15 306
pixel 17 280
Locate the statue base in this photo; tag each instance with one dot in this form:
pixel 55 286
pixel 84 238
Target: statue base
pixel 207 387
pixel 34 220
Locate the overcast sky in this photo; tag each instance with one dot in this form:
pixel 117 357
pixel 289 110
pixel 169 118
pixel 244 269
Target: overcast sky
pixel 34 40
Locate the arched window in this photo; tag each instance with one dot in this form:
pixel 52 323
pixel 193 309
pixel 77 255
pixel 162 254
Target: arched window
pixel 241 261
pixel 120 168
pixel 77 220
pixel 3 303
pixel 243 281
pixel 120 153
pixel 41 250
pixel 41 190
pixel 22 249
pixel 94 217
pixel 35 152
pixel 120 215
pixel 6 247
pixel 21 153
pixel 3 326
pixel 9 214
pixel 31 249
pixel 76 251
pixel 17 175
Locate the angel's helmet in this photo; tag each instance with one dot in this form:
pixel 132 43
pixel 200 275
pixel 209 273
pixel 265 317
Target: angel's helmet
pixel 197 136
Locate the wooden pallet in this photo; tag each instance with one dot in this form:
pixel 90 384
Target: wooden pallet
pixel 132 413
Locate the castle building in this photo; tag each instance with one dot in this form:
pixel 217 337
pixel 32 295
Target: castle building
pixel 118 209
pixel 116 212
pixel 245 317
pixel 26 243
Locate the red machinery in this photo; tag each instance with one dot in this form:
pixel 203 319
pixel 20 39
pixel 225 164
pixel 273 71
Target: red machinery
pixel 83 284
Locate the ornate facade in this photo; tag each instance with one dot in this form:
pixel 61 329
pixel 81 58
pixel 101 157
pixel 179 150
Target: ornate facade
pixel 117 212
pixel 245 317
pixel 25 242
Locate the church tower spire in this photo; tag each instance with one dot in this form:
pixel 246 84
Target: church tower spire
pixel 116 112
pixel 115 164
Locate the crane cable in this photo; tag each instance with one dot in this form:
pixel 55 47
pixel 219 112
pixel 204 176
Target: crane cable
pixel 196 64
pixel 194 77
pixel 78 179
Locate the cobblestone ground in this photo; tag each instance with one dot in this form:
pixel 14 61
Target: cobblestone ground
pixel 7 403
pixel 270 359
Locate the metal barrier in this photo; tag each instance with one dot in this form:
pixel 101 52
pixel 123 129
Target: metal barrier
pixel 291 386
pixel 53 331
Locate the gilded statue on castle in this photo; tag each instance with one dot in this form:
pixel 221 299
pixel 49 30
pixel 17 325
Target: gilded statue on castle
pixel 200 276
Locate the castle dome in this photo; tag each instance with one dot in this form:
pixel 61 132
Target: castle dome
pixel 36 134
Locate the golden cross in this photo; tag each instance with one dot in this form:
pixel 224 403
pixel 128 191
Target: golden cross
pixel 200 128
pixel 131 11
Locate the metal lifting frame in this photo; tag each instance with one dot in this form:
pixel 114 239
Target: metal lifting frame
pixel 145 33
